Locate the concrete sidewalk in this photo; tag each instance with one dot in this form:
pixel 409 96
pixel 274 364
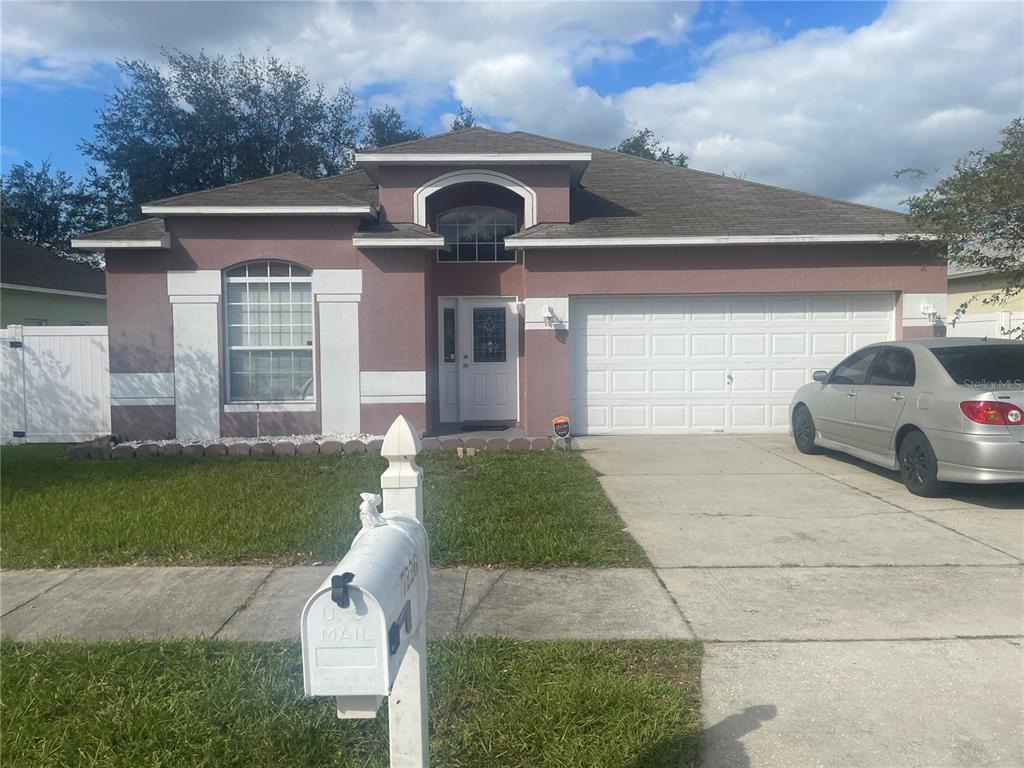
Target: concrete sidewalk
pixel 264 603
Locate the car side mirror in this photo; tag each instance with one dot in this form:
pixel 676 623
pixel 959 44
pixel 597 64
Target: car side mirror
pixel 821 376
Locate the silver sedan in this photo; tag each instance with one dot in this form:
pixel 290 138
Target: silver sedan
pixel 934 409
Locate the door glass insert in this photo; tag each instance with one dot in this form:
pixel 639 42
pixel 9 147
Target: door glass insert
pixel 448 330
pixel 488 334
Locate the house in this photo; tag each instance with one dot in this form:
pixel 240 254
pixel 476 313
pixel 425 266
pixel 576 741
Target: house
pixel 482 277
pixel 38 287
pixel 980 319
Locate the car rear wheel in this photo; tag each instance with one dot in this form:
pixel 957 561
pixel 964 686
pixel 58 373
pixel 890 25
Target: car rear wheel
pixel 918 465
pixel 804 431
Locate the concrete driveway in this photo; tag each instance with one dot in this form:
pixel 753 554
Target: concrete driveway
pixel 847 622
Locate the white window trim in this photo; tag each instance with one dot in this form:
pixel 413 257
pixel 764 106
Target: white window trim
pixel 479 176
pixel 245 406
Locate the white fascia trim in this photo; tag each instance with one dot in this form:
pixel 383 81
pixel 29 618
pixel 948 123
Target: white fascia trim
pixel 58 292
pixel 269 407
pixel 398 242
pixel 435 158
pixel 621 242
pixel 252 210
pixel 96 245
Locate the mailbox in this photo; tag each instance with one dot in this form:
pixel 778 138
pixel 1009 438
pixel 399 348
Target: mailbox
pixel 356 626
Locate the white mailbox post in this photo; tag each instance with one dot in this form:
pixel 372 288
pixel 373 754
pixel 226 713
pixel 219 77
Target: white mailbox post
pixel 364 630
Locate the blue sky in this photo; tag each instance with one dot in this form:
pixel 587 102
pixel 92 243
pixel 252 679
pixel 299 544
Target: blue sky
pixel 830 98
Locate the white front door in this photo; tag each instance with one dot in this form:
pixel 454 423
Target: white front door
pixel 488 353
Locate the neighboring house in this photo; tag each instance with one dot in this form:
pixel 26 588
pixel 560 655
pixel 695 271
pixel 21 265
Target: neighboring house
pixel 967 282
pixel 480 277
pixel 980 319
pixel 38 287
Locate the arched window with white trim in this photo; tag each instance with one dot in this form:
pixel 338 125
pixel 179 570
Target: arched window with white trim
pixel 269 332
pixel 476 233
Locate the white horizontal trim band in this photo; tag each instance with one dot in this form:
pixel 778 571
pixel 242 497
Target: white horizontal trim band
pixel 99 331
pixel 393 384
pixel 254 210
pixel 95 245
pixel 124 386
pixel 269 407
pixel 373 399
pixel 619 242
pixel 56 291
pixel 398 242
pixel 433 158
pixel 123 401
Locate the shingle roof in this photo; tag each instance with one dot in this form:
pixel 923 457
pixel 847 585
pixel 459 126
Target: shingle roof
pixel 480 140
pixel 287 189
pixel 356 184
pixel 622 195
pixel 24 264
pixel 144 229
pixel 385 230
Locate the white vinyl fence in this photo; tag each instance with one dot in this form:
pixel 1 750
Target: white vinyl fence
pixel 55 383
pixel 987 324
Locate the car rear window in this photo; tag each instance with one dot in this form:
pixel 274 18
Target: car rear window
pixel 989 366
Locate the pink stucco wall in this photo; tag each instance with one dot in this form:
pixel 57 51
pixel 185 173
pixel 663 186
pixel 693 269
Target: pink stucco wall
pixel 550 183
pixel 735 269
pixel 140 316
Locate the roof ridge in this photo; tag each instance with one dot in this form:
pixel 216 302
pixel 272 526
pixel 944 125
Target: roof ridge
pixel 431 137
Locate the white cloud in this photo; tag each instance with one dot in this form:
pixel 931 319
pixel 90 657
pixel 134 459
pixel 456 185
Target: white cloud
pixel 830 110
pixel 838 112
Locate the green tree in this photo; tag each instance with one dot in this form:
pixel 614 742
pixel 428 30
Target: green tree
pixel 978 212
pixel 42 206
pixel 645 144
pixel 205 121
pixel 386 126
pixel 465 119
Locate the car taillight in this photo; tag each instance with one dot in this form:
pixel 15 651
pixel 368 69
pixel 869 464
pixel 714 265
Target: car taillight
pixel 993 412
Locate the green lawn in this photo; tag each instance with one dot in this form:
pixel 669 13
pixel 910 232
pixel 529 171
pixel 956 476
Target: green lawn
pixel 514 509
pixel 493 703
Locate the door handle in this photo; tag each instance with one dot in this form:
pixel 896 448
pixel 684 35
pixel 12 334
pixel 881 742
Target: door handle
pixel 851 393
pixel 897 396
pixel 465 365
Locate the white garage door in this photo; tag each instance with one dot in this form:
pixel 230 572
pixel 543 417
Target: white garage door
pixel 682 364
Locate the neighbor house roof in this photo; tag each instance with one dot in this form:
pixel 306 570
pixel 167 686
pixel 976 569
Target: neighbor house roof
pixel 285 193
pixel 145 233
pixel 23 265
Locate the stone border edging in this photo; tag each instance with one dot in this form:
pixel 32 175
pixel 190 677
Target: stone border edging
pixel 104 449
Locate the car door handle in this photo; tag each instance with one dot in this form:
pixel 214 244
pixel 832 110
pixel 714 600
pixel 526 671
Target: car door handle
pixel 898 396
pixel 851 393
